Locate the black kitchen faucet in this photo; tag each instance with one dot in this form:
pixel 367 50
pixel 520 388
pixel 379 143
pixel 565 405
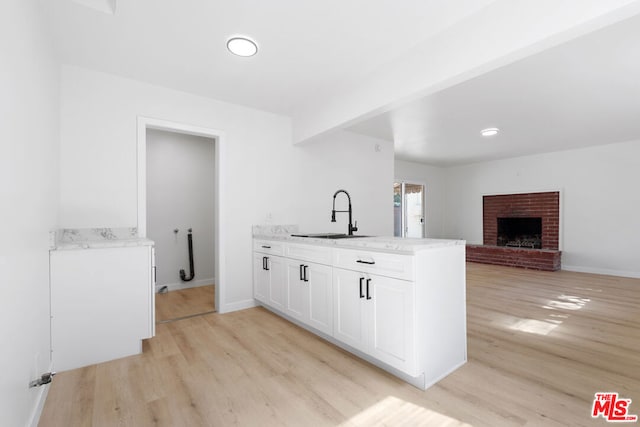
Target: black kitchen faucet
pixel 352 228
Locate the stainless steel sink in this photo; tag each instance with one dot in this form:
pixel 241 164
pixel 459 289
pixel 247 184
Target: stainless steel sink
pixel 328 236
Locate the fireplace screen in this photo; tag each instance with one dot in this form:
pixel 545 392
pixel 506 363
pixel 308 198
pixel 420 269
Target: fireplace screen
pixel 520 232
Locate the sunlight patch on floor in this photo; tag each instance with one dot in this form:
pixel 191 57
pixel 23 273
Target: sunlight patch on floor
pixel 567 302
pixel 532 326
pixel 392 411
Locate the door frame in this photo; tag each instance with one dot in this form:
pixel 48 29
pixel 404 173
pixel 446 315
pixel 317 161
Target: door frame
pixel 219 141
pixel 403 181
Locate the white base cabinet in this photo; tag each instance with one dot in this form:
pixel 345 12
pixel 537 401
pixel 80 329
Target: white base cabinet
pixel 309 291
pixel 375 314
pixel 268 275
pixel 404 312
pixel 102 304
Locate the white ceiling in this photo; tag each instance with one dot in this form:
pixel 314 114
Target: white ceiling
pixel 306 47
pixel 584 92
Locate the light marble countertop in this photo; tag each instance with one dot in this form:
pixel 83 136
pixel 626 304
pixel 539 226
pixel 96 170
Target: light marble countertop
pixel 374 243
pixel 95 238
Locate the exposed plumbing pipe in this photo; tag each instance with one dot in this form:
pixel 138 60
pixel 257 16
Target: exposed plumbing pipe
pixel 183 275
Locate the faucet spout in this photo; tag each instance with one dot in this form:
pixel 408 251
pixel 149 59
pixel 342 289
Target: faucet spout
pixel 351 228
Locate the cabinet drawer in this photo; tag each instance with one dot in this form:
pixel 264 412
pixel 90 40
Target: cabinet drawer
pixel 390 265
pixel 318 254
pixel 268 247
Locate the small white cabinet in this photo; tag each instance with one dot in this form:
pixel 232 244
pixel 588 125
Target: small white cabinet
pixel 269 279
pixel 101 304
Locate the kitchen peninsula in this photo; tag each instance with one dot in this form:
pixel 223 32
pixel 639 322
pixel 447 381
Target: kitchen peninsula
pixel 398 303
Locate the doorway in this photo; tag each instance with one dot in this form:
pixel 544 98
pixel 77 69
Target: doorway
pixel 408 210
pixel 201 292
pixel 180 213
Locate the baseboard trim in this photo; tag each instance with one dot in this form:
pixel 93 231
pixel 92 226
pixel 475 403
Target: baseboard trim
pixel 186 285
pixel 239 305
pixel 43 391
pixel 604 271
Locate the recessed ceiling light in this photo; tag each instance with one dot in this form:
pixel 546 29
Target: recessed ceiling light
pixel 242 46
pixel 489 131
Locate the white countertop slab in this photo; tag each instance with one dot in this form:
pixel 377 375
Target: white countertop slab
pixel 95 238
pixel 380 244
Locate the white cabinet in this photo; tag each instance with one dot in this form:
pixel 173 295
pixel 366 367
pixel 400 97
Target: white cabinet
pixel 261 278
pixel 349 308
pixel 403 311
pixel 308 294
pixel 391 265
pixel 376 315
pixel 101 304
pixel 269 279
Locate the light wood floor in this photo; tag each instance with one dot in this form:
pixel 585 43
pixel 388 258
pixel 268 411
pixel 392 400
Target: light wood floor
pixel 540 345
pixel 185 302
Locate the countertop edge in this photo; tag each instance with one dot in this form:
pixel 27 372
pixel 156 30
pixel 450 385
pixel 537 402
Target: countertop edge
pixel 378 244
pixel 101 244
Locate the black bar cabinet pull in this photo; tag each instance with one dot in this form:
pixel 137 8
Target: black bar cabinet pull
pixel 306 275
pixel 266 263
pixel 266 247
pixel 301 272
pixel 361 294
pixel 366 262
pixel 368 296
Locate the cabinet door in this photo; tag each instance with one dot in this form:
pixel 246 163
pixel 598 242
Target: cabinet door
pixel 277 281
pixel 297 292
pixel 261 278
pixel 320 296
pixel 391 322
pixel 348 308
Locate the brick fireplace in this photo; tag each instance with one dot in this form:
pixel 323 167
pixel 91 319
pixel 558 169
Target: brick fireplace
pixel 520 230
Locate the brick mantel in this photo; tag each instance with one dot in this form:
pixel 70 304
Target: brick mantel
pixel 544 205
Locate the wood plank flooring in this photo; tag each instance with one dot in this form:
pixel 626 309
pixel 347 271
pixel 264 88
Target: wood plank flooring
pixel 185 302
pixel 540 344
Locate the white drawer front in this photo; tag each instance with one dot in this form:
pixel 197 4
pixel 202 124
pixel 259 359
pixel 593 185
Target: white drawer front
pixel 318 254
pixel 269 247
pixel 390 265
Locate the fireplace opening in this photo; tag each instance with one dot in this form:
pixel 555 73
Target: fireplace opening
pixel 520 232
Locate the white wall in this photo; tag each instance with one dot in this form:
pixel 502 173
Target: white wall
pixel 264 177
pixel 98 161
pixel 434 179
pixel 362 166
pixel 180 195
pixel 28 200
pixel 600 202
